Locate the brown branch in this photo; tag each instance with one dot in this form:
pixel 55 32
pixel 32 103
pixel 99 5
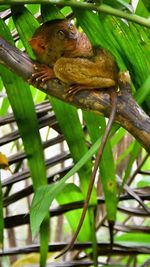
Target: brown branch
pixel 29 189
pixel 103 249
pixel 21 219
pixel 129 113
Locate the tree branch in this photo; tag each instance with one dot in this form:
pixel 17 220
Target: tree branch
pixel 22 219
pixel 103 249
pixel 129 114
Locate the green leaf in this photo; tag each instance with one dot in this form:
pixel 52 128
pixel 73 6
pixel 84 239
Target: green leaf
pixel 4 106
pixel 4 7
pixel 51 12
pixel 34 9
pixel 125 153
pixel 26 25
pixel 146 164
pixel 44 239
pixel 107 171
pixel 117 137
pixel 23 107
pixel 119 4
pixel 107 174
pixel 70 125
pixel 41 202
pixel 53 190
pixel 133 156
pixel 71 193
pixel 134 239
pixel 144 182
pixel 147 4
pixel 24 112
pixel 144 91
pixel 95 124
pixel 141 8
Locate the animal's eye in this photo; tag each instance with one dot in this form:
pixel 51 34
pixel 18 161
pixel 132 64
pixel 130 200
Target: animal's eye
pixel 61 35
pixel 71 27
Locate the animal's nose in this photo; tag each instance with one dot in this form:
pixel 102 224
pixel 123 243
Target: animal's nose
pixel 72 35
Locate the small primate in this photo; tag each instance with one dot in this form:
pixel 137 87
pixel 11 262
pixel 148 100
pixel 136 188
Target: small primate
pixel 65 53
pixel 70 57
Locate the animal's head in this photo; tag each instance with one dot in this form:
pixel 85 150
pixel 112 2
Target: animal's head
pixel 53 39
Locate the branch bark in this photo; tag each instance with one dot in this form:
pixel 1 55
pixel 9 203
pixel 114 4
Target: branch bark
pixel 22 219
pixel 129 114
pixel 103 249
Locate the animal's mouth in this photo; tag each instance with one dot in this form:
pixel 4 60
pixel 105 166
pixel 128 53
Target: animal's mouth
pixel 72 36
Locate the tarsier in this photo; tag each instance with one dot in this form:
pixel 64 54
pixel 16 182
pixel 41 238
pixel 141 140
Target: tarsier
pixel 67 54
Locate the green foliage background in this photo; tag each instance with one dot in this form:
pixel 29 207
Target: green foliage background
pixel 130 44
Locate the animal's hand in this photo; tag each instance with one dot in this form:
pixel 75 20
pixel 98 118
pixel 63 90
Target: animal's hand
pixel 42 74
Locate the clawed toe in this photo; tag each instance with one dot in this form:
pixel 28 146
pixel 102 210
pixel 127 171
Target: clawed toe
pixel 42 74
pixel 73 89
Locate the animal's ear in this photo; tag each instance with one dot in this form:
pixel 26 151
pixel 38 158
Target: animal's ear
pixel 38 44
